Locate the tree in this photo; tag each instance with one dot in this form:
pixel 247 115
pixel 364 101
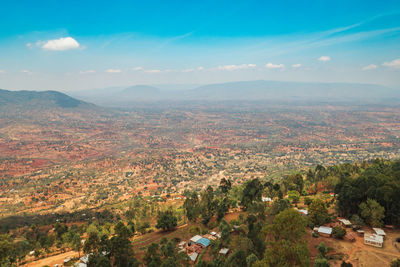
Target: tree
pixel 356 221
pixel 294 196
pixel 6 246
pixel 76 243
pixel 318 213
pixel 395 263
pixel 225 185
pixel 225 229
pixel 191 206
pixel 372 212
pixel 321 262
pixel 152 257
pixel 338 232
pixel 92 244
pixel 121 230
pixel 252 192
pixel 98 260
pixel 251 259
pixel 279 206
pixel 167 221
pixel 346 264
pixel 322 250
pixel 286 244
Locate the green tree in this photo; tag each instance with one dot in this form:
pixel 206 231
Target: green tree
pixel 318 213
pixel 225 185
pixel 98 260
pixel 372 212
pixel 294 196
pixel 321 262
pixel 6 247
pixel 395 263
pixel 252 192
pixel 191 206
pixel 338 232
pixel 286 244
pixel 166 221
pixel 76 243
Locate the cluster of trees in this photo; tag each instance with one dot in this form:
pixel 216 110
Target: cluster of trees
pixel 373 194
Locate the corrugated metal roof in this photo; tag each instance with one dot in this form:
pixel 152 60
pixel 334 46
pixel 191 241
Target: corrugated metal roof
pixel 204 241
pixel 379 231
pixel 325 230
pixel 224 251
pixel 196 238
pixel 193 256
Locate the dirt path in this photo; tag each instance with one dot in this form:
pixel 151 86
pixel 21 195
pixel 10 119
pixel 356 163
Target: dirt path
pixel 52 260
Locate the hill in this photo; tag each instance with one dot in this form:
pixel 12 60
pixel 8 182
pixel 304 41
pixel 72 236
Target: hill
pixel 34 99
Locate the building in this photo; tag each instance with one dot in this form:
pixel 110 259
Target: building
pixel 373 240
pixel 193 256
pixel 345 222
pixel 379 232
pixel 224 251
pixel 325 231
pixel 304 212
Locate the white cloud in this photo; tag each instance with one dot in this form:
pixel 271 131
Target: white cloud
pixel 61 44
pixel 236 67
pixel 87 71
pixel 137 68
pixel 26 71
pixel 324 58
pixel 200 68
pixel 370 67
pixel 392 64
pixel 296 65
pixel 274 66
pixel 188 70
pixel 2 71
pixel 152 71
pixel 113 71
pixel 29 45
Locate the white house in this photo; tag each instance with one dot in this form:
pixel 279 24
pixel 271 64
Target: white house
pixel 373 240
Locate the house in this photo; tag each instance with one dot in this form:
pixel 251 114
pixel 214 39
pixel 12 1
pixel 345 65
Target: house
pixel 304 212
pixel 379 232
pixel 205 242
pixel 224 251
pixel 266 199
pixel 373 240
pixel 345 222
pixel 196 238
pixel 193 256
pixel 325 231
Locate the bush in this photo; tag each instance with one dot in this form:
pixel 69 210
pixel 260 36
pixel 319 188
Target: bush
pixel 338 232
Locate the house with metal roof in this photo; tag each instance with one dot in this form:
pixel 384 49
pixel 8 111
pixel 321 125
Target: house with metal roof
pixel 345 222
pixel 224 251
pixel 196 238
pixel 379 232
pixel 325 231
pixel 373 240
pixel 205 242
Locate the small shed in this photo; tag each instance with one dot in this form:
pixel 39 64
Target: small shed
pixel 345 222
pixel 193 256
pixel 304 212
pixel 360 232
pixel 224 251
pixel 373 240
pixel 325 231
pixel 379 232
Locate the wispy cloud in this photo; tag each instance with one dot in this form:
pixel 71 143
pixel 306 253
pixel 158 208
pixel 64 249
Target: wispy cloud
pixel 274 66
pixel 60 44
pixel 298 65
pixel 87 71
pixel 113 71
pixel 392 64
pixel 370 67
pixel 137 68
pixel 2 71
pixel 236 67
pixel 152 71
pixel 324 58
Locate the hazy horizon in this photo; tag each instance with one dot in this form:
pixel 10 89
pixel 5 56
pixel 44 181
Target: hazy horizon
pixel 130 43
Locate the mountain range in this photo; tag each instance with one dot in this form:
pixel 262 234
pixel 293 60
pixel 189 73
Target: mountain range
pixel 243 91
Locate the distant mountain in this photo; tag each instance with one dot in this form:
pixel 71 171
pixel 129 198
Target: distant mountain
pixel 246 91
pixel 49 99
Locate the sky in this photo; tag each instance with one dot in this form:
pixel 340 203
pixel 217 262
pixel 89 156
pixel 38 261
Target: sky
pixel 76 45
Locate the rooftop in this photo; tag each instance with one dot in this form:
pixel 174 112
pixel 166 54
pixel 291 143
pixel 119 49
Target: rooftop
pixel 325 230
pixel 204 241
pixel 196 238
pixel 193 256
pixel 379 231
pixel 224 251
pixel 374 238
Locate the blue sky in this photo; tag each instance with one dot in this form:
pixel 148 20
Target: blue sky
pixel 74 45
